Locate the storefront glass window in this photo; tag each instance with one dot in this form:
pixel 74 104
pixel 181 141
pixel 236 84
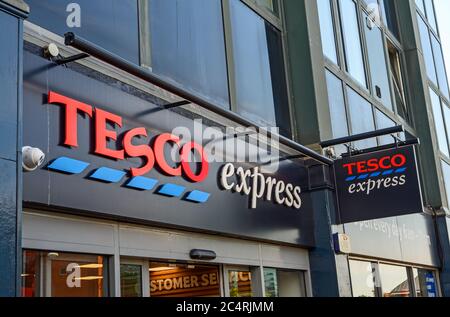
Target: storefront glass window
pixel 352 41
pixel 188 46
pixel 426 284
pixel 258 53
pixel 67 275
pixel 110 24
pixel 130 280
pixel 394 281
pixel 362 278
pixel 327 30
pixel 283 283
pixel 31 274
pixel 182 280
pixel 240 283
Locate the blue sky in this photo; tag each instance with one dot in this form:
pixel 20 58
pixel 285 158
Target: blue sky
pixel 442 12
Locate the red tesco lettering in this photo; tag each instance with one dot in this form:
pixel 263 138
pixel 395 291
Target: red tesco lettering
pixel 373 165
pixel 151 155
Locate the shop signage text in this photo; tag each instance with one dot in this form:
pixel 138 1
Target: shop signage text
pixel 253 183
pixel 367 174
pixel 151 155
pixel 378 185
pixel 184 282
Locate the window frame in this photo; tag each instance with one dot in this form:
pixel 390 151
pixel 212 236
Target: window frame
pixel 281 27
pixel 409 267
pixel 444 101
pixel 347 80
pixel 276 21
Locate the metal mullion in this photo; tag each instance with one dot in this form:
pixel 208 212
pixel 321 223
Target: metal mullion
pixel 444 158
pixel 436 19
pixel 335 9
pixel 287 73
pixel 346 106
pixel 227 27
pixel 390 77
pixel 364 49
pixel 411 281
pixel 145 51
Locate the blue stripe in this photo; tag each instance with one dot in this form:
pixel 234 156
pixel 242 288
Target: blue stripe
pixel 388 172
pixel 363 176
pixel 400 170
pixel 376 174
pixel 108 175
pixel 68 165
pixel 171 190
pixel 142 183
pixel 198 196
pixel 351 178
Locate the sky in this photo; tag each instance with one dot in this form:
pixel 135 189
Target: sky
pixel 442 12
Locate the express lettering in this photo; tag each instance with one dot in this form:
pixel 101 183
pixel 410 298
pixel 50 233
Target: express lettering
pixel 374 165
pixel 256 185
pixel 151 155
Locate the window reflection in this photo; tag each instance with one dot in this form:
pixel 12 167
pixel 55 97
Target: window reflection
pixel 260 79
pixel 440 66
pixel 352 41
pixel 427 50
pixel 377 61
pixel 130 280
pixel 240 283
pixel 429 6
pixel 110 24
pixel 426 284
pixel 284 283
pixel 362 278
pixel 439 122
pixel 188 46
pixel 361 116
pixel 67 275
pixel 183 280
pixel 338 114
pixel 327 30
pixel 384 122
pixel 394 281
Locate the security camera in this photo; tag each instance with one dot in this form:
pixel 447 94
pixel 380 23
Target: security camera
pixel 32 158
pixel 51 51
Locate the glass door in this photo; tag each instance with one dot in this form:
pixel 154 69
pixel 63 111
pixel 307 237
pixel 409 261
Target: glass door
pixel 240 282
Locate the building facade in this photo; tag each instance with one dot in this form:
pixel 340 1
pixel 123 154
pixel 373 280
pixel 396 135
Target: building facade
pixel 118 209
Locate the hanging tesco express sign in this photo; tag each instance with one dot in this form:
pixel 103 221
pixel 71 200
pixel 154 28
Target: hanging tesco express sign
pixel 378 185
